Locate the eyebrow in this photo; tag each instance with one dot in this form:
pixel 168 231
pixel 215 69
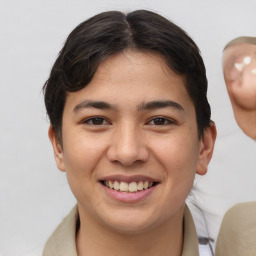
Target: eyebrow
pixel 143 106
pixel 94 104
pixel 160 104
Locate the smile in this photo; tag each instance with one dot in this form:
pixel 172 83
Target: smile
pixel 131 187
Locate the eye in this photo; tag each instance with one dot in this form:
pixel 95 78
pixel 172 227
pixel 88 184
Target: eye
pixel 96 121
pixel 161 121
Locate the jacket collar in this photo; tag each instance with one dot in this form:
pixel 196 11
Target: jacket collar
pixel 62 241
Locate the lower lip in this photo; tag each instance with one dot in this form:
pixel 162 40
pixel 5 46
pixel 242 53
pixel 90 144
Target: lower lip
pixel 128 197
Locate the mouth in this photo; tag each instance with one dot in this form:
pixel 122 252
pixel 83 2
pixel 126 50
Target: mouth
pixel 129 187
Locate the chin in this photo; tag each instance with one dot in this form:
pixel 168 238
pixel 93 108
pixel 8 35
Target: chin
pixel 129 223
pixel 128 229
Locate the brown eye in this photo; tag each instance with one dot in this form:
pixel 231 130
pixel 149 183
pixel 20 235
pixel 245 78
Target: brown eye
pixel 160 121
pixel 96 121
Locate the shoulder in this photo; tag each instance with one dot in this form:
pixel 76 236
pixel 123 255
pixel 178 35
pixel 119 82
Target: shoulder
pixel 62 241
pixel 239 217
pixel 237 234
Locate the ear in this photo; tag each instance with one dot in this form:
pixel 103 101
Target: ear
pixel 206 147
pixel 57 149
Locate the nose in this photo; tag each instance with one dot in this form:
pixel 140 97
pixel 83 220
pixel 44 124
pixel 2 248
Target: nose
pixel 127 146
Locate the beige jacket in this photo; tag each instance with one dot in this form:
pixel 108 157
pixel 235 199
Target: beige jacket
pixel 62 242
pixel 237 236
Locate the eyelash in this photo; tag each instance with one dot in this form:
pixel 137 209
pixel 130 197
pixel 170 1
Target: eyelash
pixel 99 121
pixel 163 121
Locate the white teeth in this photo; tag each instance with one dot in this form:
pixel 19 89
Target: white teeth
pixel 124 187
pixel 116 185
pixel 110 184
pixel 140 185
pixel 145 185
pixel 133 187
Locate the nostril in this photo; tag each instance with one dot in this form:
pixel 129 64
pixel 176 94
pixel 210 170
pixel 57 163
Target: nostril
pixel 127 150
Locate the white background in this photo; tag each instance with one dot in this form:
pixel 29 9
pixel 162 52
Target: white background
pixel 34 195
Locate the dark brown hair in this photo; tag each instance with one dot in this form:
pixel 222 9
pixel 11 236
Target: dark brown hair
pixel 111 32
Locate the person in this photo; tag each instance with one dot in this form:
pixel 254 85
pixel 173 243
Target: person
pixel 239 68
pixel 237 235
pixel 130 125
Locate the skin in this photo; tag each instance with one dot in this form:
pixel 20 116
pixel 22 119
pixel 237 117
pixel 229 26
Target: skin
pixel 130 139
pixel 241 85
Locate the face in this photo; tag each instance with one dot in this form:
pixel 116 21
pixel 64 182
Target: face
pixel 130 145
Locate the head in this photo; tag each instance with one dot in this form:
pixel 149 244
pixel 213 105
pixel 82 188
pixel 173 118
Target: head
pixel 109 33
pixel 128 109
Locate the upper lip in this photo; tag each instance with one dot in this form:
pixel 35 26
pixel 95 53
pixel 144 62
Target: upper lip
pixel 129 179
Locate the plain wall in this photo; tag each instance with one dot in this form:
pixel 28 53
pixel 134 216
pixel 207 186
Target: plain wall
pixel 34 195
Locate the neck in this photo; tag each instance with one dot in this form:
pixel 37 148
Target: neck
pixel 96 239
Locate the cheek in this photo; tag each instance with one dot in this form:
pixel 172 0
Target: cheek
pixel 81 156
pixel 178 156
pixel 178 151
pixel 81 159
pixel 178 160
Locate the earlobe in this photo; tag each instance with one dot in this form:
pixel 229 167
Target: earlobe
pixel 57 149
pixel 206 149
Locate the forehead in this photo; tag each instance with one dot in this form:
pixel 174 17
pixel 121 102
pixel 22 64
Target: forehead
pixel 135 61
pixel 132 76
